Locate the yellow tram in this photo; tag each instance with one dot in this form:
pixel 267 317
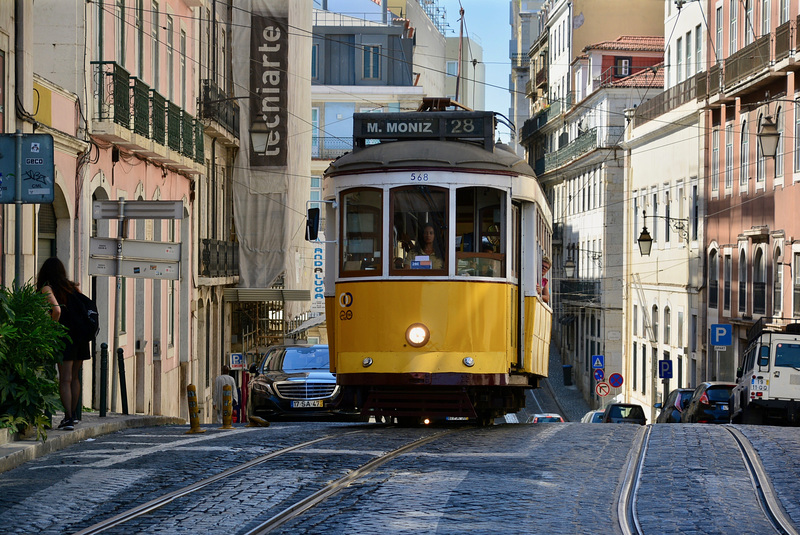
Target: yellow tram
pixel 433 245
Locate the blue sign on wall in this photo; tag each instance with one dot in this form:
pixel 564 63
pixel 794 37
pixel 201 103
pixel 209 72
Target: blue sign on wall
pixel 598 361
pixel 665 369
pixel 37 169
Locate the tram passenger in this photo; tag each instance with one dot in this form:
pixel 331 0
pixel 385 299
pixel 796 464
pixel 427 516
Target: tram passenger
pixel 427 246
pixel 543 289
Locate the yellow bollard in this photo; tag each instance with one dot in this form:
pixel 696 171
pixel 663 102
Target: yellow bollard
pixel 227 407
pixel 194 411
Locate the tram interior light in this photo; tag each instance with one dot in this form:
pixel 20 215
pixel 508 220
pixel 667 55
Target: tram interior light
pixel 417 335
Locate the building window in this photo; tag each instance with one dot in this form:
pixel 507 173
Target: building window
pixel 655 217
pixel 698 48
pixel 139 23
pixel 744 155
pixel 688 55
pixel 120 29
pixel 713 280
pixel 761 163
pixel 667 208
pixel 635 320
pixel 777 284
pixel 715 160
pixel 667 327
pixel 759 283
pixel 734 6
pixel 765 17
pixel 783 13
pixel 655 323
pixel 719 35
pixel 452 68
pixel 679 58
pixel 796 285
pixel 170 59
pixel 749 29
pixel 727 273
pixel 315 193
pixel 634 361
pixel 622 67
pixel 315 132
pixel 729 157
pixel 742 281
pixel 314 61
pixel 779 152
pixel 182 61
pixel 797 138
pixel 372 61
pixel 680 328
pixel 154 30
pixel 695 213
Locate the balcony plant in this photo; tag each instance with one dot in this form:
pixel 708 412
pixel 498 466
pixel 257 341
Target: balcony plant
pixel 31 344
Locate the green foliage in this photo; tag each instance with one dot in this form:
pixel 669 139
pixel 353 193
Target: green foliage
pixel 31 344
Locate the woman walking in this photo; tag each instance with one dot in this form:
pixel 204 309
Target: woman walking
pixel 53 282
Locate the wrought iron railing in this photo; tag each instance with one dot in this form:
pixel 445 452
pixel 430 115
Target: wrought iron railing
pixel 141 107
pixel 520 60
pixel 585 142
pixel 747 61
pixel 714 79
pixel 215 104
pixel 327 148
pixel 783 40
pixel 219 258
pixel 113 93
pixel 532 125
pixel 173 126
pixel 158 117
pixel 666 101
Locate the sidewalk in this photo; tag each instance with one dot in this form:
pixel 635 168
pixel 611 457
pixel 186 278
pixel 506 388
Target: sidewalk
pixel 569 398
pixel 15 451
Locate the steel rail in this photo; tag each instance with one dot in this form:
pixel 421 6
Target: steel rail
pixel 161 501
pixel 762 485
pixel 626 504
pixel 336 486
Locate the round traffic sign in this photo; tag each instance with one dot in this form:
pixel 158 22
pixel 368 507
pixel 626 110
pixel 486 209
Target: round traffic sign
pixel 599 375
pixel 615 380
pixel 602 389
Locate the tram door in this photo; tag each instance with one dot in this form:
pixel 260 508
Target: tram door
pixel 527 260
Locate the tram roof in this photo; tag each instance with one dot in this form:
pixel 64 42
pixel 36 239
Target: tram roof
pixel 457 155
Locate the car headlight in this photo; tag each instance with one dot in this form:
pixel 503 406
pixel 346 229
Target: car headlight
pixel 262 388
pixel 417 335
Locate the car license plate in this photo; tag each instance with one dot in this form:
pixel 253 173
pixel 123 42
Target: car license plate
pixel 307 403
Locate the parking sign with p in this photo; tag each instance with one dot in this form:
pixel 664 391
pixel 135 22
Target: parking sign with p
pixel 721 334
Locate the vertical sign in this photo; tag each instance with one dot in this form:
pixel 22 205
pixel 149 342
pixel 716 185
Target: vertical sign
pixel 269 60
pixel 318 293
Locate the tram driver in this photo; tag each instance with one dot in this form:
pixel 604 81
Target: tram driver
pixel 427 254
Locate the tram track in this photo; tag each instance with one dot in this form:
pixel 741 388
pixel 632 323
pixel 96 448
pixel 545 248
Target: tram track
pixel 766 496
pixel 288 513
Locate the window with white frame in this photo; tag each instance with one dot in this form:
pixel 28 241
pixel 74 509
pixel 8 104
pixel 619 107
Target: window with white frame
pixel 680 329
pixel 688 43
pixel 783 12
pixel 719 35
pixel 698 48
pixel 765 17
pixel 155 49
pixel 779 152
pixel 797 138
pixel 667 212
pixel 796 285
pixel 744 155
pixel 713 279
pixel 452 68
pixel 119 22
pixel 761 163
pixel 715 160
pixel 635 319
pixel 734 8
pixel 749 23
pixel 655 322
pixel 667 326
pixel 655 217
pixel 139 24
pixel 742 281
pixel 777 284
pixel 315 132
pixel 170 59
pixel 182 63
pixel 729 156
pixel 727 272
pixel 679 58
pixel 759 282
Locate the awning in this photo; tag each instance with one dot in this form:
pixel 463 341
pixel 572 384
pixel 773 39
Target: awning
pixel 311 322
pixel 265 294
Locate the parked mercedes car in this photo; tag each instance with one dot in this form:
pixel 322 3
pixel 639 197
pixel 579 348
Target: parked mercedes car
pixel 709 404
pixel 624 413
pixel 672 409
pixel 292 382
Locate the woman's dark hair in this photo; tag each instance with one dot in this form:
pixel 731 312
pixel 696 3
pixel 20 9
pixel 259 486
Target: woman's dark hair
pixel 437 245
pixel 53 274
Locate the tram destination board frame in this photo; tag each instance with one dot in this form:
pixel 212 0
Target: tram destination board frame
pixel 443 126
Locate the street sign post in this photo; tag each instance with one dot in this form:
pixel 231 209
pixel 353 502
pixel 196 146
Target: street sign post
pixel 615 380
pixel 602 389
pixel 598 361
pixel 721 334
pixel 599 374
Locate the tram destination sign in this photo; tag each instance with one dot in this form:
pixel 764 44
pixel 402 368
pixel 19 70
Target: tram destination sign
pixel 459 125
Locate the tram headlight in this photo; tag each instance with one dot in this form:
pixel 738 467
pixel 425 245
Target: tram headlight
pixel 469 362
pixel 367 362
pixel 417 335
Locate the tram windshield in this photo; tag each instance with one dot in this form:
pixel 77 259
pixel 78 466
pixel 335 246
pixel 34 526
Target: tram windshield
pixel 418 240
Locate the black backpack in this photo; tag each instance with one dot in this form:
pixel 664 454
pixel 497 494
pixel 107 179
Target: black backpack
pixel 84 320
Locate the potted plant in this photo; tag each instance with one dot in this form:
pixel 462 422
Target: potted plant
pixel 31 344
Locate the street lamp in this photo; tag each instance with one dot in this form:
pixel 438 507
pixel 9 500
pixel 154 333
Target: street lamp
pixel 677 224
pixel 768 137
pixel 569 268
pixel 645 240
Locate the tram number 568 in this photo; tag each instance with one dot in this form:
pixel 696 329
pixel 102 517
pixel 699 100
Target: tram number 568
pixel 419 177
pixel 346 315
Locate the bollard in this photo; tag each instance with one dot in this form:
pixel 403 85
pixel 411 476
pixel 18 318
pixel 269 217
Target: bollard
pixel 194 411
pixel 123 387
pixel 227 406
pixel 103 378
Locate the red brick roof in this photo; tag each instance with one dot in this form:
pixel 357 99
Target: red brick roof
pixel 631 43
pixel 644 78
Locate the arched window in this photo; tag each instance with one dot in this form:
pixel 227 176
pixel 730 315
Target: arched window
pixel 759 283
pixel 655 323
pixel 667 325
pixel 742 281
pixel 777 284
pixel 713 280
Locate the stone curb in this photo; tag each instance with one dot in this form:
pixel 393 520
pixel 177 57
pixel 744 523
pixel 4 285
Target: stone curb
pixel 18 452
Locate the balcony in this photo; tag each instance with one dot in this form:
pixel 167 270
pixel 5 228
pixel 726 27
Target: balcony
pixel 667 100
pixel 219 258
pixel 130 115
pixel 783 40
pixel 585 142
pixel 751 59
pixel 222 112
pixel 580 292
pixel 329 148
pixel 520 61
pixel 532 125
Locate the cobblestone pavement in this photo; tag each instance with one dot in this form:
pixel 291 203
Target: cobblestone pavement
pixel 543 478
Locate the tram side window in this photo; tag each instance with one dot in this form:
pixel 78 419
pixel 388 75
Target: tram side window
pixel 419 241
pixel 480 249
pixel 361 232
